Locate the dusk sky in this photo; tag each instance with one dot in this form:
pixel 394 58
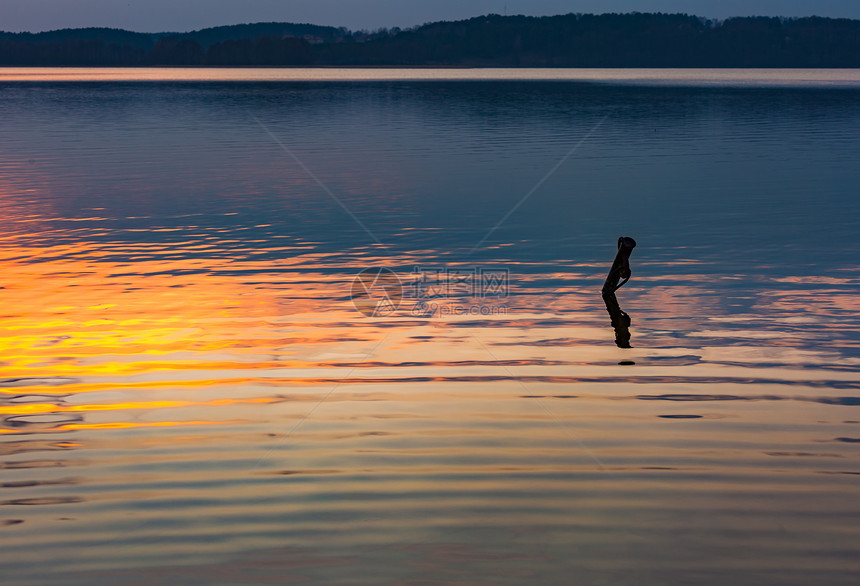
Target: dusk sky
pixel 186 15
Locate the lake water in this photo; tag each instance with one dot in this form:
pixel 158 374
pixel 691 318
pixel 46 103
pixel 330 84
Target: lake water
pixel 199 385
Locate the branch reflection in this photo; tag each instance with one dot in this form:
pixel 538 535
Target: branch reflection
pixel 620 320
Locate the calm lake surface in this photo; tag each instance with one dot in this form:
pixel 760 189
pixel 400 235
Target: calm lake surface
pixel 199 385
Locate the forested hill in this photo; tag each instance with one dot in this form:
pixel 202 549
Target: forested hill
pixel 573 40
pixel 206 37
pixel 616 40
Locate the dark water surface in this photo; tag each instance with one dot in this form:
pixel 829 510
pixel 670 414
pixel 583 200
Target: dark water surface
pixel 190 394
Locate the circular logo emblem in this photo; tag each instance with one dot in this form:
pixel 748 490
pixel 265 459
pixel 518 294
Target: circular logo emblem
pixel 376 292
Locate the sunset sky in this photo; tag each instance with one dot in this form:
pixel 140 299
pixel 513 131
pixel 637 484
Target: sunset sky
pixel 185 15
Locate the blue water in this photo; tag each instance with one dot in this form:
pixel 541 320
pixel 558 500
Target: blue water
pixel 191 393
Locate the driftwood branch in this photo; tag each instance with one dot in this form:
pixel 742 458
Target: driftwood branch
pixel 619 274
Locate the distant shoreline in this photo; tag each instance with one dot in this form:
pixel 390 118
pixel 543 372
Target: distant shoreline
pixel 635 40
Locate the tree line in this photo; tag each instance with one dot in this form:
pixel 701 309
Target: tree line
pixel 572 40
pixel 613 40
pixel 167 51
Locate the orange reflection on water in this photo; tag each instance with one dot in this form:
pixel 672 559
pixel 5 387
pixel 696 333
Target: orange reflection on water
pixel 118 425
pixel 50 408
pixel 78 317
pixel 183 385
